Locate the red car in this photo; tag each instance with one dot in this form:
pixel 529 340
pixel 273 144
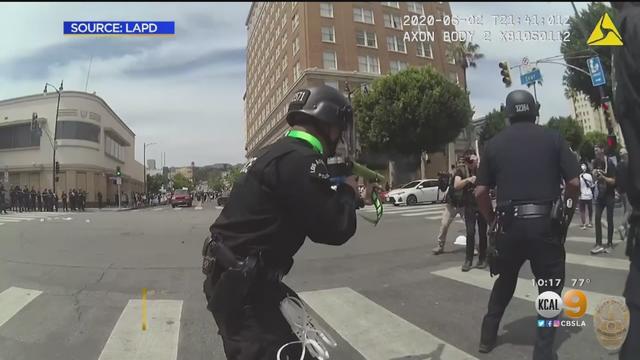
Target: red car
pixel 181 197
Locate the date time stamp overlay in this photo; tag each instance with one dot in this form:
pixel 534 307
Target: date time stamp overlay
pixel 504 28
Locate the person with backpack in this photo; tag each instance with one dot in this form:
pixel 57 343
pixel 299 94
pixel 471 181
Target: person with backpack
pixel 604 171
pixel 586 197
pixel 455 206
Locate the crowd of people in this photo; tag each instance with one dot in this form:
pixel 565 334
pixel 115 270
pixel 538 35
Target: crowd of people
pixel 24 200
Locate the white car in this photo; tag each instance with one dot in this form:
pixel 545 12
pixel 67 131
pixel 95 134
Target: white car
pixel 415 192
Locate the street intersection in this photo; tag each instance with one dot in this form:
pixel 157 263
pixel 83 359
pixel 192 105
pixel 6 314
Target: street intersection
pixel 71 288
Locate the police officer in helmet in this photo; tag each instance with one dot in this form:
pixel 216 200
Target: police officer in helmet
pixel 527 164
pixel 283 196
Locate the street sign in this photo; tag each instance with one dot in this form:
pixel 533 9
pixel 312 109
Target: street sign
pixel 596 71
pixel 531 77
pixel 119 180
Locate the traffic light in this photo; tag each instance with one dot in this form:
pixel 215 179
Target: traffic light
pixel 118 172
pixel 505 73
pixel 57 167
pixel 612 144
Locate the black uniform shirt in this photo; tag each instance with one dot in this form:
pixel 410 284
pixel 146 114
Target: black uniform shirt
pixel 526 163
pixel 283 196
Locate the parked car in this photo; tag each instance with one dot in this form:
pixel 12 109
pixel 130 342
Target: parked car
pixel 181 198
pixel 416 192
pixel 222 199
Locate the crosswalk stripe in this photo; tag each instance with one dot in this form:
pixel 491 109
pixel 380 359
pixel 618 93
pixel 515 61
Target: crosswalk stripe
pixel 157 209
pixel 421 213
pixel 524 288
pixel 375 332
pixel 13 300
pixel 1 224
pixel 600 262
pixel 407 210
pixel 158 342
pixel 10 220
pixel 589 240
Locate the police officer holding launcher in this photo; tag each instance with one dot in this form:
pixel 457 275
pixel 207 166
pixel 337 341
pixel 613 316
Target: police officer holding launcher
pixel 283 196
pixel 527 163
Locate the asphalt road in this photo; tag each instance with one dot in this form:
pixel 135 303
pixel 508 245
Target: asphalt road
pixel 71 284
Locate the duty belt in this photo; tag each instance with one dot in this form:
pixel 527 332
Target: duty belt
pixel 531 211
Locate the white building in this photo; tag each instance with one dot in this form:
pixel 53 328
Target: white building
pixel 92 141
pixel 591 119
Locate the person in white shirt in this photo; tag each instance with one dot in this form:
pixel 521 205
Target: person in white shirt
pixel 586 197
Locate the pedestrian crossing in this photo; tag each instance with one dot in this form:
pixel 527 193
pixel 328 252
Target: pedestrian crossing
pixel 361 323
pixel 12 218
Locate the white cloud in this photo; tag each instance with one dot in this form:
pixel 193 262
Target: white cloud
pixel 485 83
pixel 185 92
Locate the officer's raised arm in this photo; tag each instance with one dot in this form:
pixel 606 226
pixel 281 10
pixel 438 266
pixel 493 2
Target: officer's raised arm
pixel 328 216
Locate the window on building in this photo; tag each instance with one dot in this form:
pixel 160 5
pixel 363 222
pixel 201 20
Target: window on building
pixel 451 59
pixel 396 43
pixel 18 136
pixel 363 15
pixel 296 45
pixel 332 83
pixel 296 71
pixel 397 65
pixel 113 148
pixel 454 78
pixel 329 34
pixel 330 60
pixel 424 49
pixel 77 130
pixel 295 21
pixel 393 21
pixel 369 64
pixel 366 38
pixel 326 10
pixel 393 4
pixel 415 7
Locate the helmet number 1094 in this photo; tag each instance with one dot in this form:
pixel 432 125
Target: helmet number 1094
pixel 522 107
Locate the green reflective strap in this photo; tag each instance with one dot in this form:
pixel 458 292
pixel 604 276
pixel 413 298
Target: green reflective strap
pixel 312 140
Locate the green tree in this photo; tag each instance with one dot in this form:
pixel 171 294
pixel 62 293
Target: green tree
pixel 179 181
pixel 154 183
pixel 575 50
pixel 410 112
pixel 216 183
pixel 591 139
pixel 495 121
pixel 465 54
pixel 570 130
pixel 232 176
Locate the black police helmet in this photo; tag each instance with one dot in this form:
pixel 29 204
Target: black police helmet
pixel 322 105
pixel 521 106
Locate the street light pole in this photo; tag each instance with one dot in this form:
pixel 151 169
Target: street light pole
pixel 144 165
pixel 55 131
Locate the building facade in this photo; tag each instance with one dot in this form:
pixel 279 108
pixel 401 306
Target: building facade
pixel 92 141
pixel 591 119
pixel 299 44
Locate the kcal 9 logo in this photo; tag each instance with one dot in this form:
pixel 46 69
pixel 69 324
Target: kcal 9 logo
pixel 549 304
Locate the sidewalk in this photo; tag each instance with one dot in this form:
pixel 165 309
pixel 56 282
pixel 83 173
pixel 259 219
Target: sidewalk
pixel 112 209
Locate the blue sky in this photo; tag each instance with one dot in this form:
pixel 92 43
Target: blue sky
pixel 185 93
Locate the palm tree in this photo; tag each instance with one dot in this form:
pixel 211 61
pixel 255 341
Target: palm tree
pixel 465 54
